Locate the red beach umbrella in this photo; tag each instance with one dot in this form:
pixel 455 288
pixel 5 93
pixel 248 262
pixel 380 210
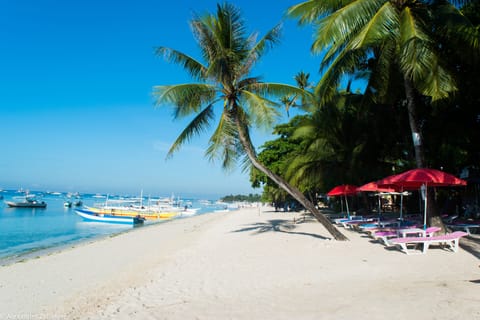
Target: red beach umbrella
pixel 343 190
pixel 374 187
pixel 415 178
pixel 422 178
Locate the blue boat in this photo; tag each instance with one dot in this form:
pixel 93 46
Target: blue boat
pixel 99 217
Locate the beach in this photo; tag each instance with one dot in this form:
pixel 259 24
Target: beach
pixel 252 263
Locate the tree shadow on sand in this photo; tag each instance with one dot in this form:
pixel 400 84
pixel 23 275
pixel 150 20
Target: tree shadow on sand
pixel 277 225
pixel 471 244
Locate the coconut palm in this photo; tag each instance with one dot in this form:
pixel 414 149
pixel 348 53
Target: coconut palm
pixel 399 34
pixel 224 81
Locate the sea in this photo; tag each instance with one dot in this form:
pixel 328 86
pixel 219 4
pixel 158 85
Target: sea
pixel 30 232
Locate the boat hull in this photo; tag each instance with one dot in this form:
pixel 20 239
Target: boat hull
pixel 99 217
pixel 27 204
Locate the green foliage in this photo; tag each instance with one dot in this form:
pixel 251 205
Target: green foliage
pixel 358 138
pixel 428 45
pixel 242 198
pixel 401 33
pixel 276 154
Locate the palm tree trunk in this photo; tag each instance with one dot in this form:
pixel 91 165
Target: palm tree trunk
pixel 294 192
pixel 432 210
pixel 412 119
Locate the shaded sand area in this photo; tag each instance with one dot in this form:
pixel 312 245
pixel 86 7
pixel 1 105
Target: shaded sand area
pixel 248 264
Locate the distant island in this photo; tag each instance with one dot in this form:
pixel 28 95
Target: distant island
pixel 241 198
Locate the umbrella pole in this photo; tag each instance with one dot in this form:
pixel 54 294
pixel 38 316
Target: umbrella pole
pixel 425 208
pixel 341 205
pixel 346 203
pixel 379 207
pixel 401 206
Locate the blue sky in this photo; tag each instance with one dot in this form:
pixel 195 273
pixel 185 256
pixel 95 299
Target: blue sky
pixel 76 79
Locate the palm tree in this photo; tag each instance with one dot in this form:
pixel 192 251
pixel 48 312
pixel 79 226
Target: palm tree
pixel 399 34
pixel 230 54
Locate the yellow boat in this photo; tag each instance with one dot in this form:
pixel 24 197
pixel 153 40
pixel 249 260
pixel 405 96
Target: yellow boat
pixel 127 212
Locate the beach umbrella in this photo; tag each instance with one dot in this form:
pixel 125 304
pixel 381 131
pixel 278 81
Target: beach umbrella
pixel 422 178
pixel 343 190
pixel 384 189
pixel 374 187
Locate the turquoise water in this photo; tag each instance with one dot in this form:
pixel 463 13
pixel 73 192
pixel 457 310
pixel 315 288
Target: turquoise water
pixel 27 231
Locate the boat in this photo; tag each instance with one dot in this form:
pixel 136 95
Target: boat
pixel 27 201
pixel 132 212
pixel 72 200
pixel 153 209
pixel 99 217
pixel 77 203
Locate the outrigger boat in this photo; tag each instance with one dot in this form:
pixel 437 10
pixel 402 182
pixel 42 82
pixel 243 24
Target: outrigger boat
pixel 132 212
pixel 109 218
pixel 153 209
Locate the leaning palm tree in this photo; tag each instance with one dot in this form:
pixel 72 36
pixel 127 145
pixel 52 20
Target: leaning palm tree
pixel 400 35
pixel 224 81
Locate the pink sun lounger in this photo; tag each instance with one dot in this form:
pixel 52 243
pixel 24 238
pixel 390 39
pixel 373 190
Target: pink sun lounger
pixel 384 236
pixel 450 239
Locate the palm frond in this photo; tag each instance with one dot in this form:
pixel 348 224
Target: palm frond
pixel 304 131
pixel 438 83
pixel 337 28
pixel 194 128
pixel 452 24
pixel 410 27
pixel 383 72
pixel 420 62
pixel 471 36
pixel 202 31
pixel 224 42
pixel 378 29
pixel 262 111
pixel 268 41
pixel 192 66
pixel 223 142
pixel 310 11
pixel 344 63
pixel 187 98
pixel 267 89
pixel 230 28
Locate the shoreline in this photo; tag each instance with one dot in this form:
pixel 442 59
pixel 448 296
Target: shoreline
pixel 74 270
pixel 241 264
pixel 38 252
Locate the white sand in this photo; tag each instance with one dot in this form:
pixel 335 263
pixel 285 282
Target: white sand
pixel 240 265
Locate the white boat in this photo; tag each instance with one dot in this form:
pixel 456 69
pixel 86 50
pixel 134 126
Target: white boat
pixel 72 199
pixel 98 217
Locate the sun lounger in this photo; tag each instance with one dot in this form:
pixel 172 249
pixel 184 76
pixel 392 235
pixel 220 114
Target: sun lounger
pixel 450 239
pixel 341 220
pixel 385 235
pixel 394 233
pixel 467 227
pixel 354 223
